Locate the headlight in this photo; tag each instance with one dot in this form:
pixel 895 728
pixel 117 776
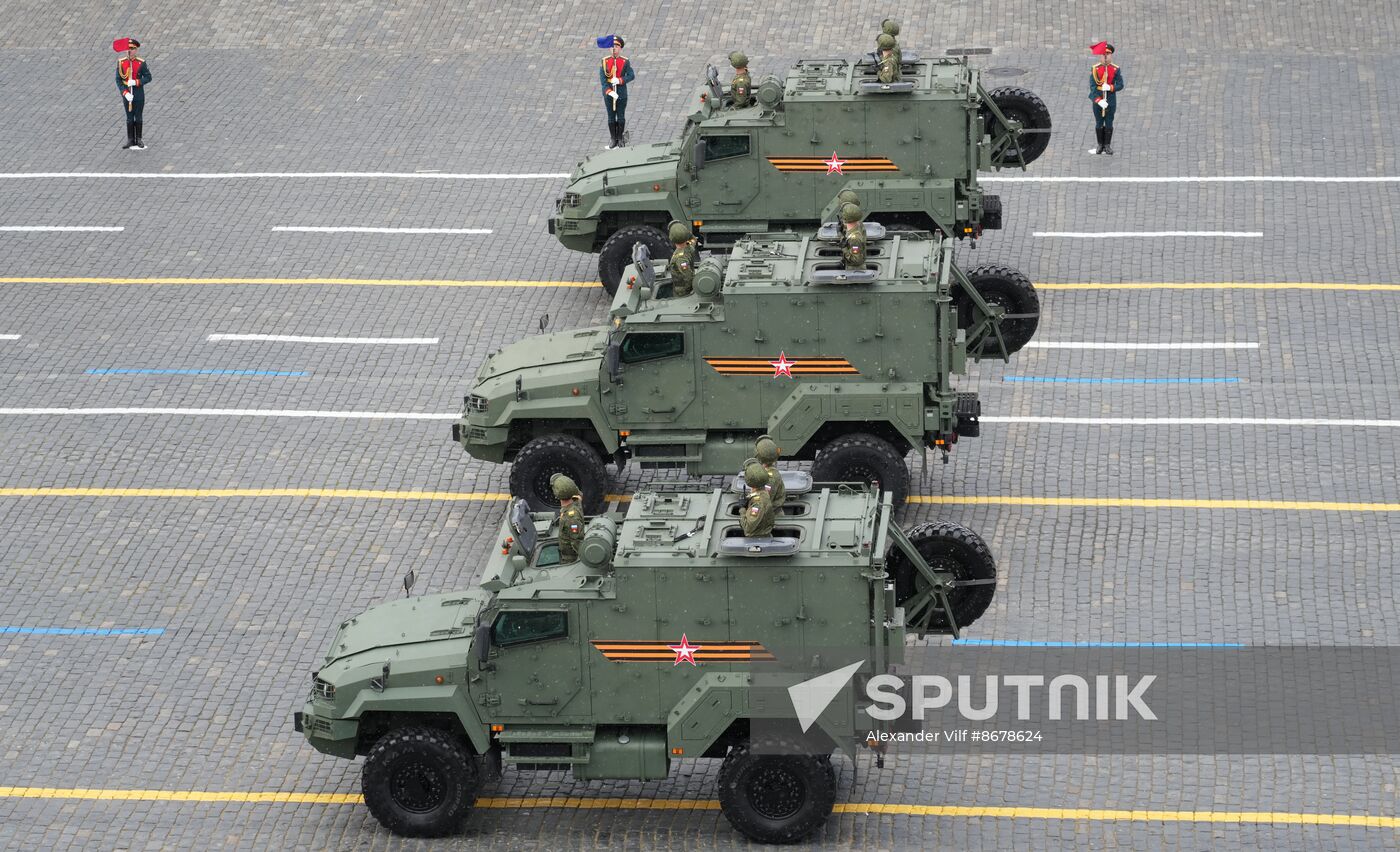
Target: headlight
pixel 476 403
pixel 570 199
pixel 321 690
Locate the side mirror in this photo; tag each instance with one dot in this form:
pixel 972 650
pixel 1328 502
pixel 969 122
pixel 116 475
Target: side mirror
pixel 408 580
pixel 613 359
pixel 641 258
pixel 712 81
pixel 482 644
pixel 697 154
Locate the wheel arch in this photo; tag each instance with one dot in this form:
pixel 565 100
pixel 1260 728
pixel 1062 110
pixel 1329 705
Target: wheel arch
pixel 456 717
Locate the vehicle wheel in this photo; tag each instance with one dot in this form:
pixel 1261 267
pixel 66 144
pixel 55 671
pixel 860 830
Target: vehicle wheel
pixel 617 252
pixel 863 458
pixel 1003 287
pixel 776 798
pixel 947 547
pixel 1023 106
pixel 420 782
pixel 545 456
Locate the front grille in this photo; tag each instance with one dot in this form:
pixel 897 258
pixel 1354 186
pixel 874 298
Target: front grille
pixel 570 199
pixel 476 404
pixel 322 691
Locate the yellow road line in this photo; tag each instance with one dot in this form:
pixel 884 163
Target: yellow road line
pixel 598 803
pixel 368 282
pixel 449 282
pixel 488 496
pixel 1213 285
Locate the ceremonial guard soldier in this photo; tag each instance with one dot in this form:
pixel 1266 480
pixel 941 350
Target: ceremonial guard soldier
pixel 681 267
pixel 571 518
pixel 614 75
pixel 1105 82
pixel 741 87
pixel 133 75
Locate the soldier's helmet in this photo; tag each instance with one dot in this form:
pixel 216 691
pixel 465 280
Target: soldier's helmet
pixel 850 212
pixel 755 475
pixel 680 232
pixel 889 26
pixel 766 449
pixel 847 196
pixel 885 41
pixel 563 487
pixel 738 60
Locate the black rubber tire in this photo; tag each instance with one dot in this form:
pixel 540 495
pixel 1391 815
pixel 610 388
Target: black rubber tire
pixel 546 455
pixel 1008 288
pixel 420 782
pixel 776 798
pixel 616 253
pixel 1021 105
pixel 860 457
pixel 951 547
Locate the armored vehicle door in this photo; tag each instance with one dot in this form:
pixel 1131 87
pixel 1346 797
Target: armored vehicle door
pixel 726 180
pixel 658 379
pixel 536 669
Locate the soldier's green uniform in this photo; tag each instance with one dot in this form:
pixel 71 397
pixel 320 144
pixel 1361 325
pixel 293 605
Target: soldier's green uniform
pixel 890 27
pixel 759 514
pixel 766 452
pixel 741 87
pixel 888 69
pixel 571 520
pixel 853 238
pixel 681 268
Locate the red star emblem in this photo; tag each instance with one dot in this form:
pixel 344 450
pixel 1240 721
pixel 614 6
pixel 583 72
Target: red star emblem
pixel 685 652
pixel 782 366
pixel 833 166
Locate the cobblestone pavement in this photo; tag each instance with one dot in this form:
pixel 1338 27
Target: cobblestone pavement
pixel 248 589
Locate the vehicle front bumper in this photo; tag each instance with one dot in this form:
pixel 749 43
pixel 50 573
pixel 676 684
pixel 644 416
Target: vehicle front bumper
pixel 487 443
pixel 331 736
pixel 574 233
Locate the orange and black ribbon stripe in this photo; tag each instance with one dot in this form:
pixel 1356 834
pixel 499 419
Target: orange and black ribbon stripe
pixel 819 164
pixel 644 651
pixel 801 366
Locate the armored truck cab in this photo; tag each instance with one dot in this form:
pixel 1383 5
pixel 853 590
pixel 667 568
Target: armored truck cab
pixel 642 653
pixel 851 370
pixel 912 153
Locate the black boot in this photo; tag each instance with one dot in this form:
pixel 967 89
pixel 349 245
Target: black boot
pixel 140 146
pixel 622 134
pixel 1108 141
pixel 612 135
pixel 1098 134
pixel 130 136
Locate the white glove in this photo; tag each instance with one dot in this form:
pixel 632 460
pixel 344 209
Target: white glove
pixel 1102 102
pixel 615 81
pixel 1105 87
pixel 128 95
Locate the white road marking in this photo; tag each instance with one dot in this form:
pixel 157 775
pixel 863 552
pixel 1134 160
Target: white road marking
pixel 1191 421
pixel 9 337
pixel 64 228
pixel 232 412
pixel 359 230
pixel 1089 344
pixel 293 338
pixel 1099 235
pixel 428 415
pixel 1189 179
pixel 274 175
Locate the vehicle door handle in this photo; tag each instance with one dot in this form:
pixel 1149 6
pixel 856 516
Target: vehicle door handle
pixel 671 410
pixel 539 702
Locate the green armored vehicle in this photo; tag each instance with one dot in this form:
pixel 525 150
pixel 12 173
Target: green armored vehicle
pixel 654 647
pixel 849 369
pixel 912 150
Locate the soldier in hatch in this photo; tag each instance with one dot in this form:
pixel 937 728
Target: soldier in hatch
pixel 759 514
pixel 853 237
pixel 890 27
pixel 766 452
pixel 681 267
pixel 741 87
pixel 571 520
pixel 888 69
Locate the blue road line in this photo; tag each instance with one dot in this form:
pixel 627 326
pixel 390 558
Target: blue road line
pixel 85 631
pixel 123 371
pixel 1021 643
pixel 1092 381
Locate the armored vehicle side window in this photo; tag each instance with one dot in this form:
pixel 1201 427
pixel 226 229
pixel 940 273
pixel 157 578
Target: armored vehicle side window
pixel 519 627
pixel 547 555
pixel 649 347
pixel 724 147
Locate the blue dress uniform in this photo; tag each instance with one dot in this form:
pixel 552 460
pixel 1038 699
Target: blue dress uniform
pixel 1101 75
pixel 615 68
pixel 133 75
